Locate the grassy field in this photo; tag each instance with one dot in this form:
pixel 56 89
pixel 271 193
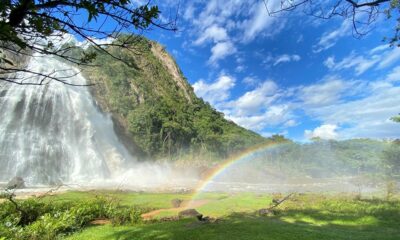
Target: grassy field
pixel 235 216
pixel 304 216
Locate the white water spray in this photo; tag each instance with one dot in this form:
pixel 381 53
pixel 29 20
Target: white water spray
pixel 55 133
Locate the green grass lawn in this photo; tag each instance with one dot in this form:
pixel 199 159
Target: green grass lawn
pixel 239 226
pixel 235 216
pixel 143 199
pixel 305 216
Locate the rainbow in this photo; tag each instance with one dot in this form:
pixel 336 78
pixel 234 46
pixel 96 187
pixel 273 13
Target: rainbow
pixel 242 156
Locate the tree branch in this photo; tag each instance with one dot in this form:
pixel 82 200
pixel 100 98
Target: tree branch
pixel 369 4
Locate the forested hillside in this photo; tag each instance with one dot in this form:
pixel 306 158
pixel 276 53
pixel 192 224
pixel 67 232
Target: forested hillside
pixel 155 108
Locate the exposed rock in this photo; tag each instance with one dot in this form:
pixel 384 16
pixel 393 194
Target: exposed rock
pixel 275 201
pixel 207 219
pixel 266 212
pixel 173 69
pixel 16 183
pixel 190 213
pixel 176 202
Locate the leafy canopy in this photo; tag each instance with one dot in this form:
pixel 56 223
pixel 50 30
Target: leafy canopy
pixel 29 27
pixel 396 118
pixel 362 14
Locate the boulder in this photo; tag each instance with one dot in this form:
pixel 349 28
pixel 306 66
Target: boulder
pixel 176 202
pixel 275 201
pixel 190 213
pixel 266 212
pixel 16 183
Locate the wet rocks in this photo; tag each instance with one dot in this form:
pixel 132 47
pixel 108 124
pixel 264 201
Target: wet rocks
pixel 16 183
pixel 176 202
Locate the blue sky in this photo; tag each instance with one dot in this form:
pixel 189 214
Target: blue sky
pixel 293 74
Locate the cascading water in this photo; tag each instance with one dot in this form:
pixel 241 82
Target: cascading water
pixel 55 132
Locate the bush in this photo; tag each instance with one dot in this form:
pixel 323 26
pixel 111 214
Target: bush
pixel 51 220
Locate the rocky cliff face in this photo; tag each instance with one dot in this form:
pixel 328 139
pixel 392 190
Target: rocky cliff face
pixel 155 110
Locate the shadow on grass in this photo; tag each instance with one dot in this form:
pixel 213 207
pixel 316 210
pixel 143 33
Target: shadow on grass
pixel 249 226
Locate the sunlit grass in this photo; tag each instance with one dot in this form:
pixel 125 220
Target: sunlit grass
pixel 305 216
pixel 145 200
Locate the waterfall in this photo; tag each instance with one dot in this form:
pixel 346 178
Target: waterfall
pixel 55 132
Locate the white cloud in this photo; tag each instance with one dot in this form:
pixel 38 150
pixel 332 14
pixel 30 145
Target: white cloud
pixel 250 80
pixel 260 20
pixel 366 117
pixel 358 63
pixel 379 58
pixel 326 131
pixel 272 116
pixel 286 58
pixel 360 108
pixel 257 109
pixel 107 40
pixel 329 39
pixel 240 68
pixel 290 123
pixel 214 33
pixel 365 114
pixel 324 93
pixel 330 62
pixel 189 12
pixel 394 75
pixel 300 38
pixel 379 48
pixel 220 51
pixel 215 92
pixel 253 101
pixel 225 23
pixel 390 58
pixel 253 110
pixel 296 58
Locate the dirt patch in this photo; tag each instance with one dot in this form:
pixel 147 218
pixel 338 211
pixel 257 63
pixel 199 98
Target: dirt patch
pixel 100 221
pixel 185 205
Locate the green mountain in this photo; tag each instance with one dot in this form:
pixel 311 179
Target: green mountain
pixel 155 110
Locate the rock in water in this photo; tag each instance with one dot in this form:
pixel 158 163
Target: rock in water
pixel 176 202
pixel 190 213
pixel 16 183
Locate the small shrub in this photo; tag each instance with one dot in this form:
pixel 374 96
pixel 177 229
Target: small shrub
pixel 49 220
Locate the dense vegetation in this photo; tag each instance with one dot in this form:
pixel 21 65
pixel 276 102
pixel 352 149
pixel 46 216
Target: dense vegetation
pixel 152 99
pixel 39 219
pixel 329 158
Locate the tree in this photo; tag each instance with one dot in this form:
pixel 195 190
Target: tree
pixel 391 157
pixel 396 118
pixel 362 14
pixel 36 27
